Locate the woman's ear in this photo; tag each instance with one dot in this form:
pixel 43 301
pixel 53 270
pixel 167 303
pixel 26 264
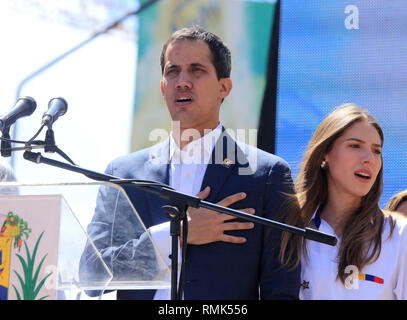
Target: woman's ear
pixel 324 163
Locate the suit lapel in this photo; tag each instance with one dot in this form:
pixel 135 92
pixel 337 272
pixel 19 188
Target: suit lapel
pixel 222 165
pixel 225 159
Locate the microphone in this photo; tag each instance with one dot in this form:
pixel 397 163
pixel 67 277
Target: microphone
pixel 24 106
pixel 56 107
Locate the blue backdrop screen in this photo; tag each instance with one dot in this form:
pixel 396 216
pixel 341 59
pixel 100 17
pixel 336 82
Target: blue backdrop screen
pixel 332 52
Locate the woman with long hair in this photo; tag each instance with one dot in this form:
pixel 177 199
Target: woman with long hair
pixel 337 192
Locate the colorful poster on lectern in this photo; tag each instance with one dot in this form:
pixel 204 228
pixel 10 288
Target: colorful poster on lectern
pixel 29 247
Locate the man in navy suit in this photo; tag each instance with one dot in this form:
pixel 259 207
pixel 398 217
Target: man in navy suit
pixel 226 258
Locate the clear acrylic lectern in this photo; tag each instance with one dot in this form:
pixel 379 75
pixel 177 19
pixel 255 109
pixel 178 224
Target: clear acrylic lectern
pixel 47 253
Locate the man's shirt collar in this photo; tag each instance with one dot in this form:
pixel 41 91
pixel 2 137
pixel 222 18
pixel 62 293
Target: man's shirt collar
pixel 197 151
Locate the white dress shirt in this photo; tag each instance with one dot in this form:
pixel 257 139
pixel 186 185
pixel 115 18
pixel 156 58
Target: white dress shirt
pixel 386 278
pixel 187 170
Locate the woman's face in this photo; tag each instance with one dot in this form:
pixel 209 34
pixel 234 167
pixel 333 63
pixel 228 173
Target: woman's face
pixel 354 161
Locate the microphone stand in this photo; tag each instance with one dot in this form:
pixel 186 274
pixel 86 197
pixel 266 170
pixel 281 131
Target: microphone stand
pixel 5 144
pixel 176 210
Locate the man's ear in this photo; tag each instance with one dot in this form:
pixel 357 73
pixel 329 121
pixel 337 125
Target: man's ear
pixel 162 87
pixel 225 87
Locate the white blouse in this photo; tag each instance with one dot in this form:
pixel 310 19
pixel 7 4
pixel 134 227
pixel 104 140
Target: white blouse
pixel 386 278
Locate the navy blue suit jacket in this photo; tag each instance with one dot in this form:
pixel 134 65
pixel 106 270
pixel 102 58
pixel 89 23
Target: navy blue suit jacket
pixel 217 270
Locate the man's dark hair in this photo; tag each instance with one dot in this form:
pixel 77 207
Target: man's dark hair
pixel 221 57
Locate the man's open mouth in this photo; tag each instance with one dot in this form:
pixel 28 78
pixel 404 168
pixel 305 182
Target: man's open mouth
pixel 183 99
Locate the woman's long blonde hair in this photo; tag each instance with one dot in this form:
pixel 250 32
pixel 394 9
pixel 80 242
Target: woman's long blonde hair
pixel 361 238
